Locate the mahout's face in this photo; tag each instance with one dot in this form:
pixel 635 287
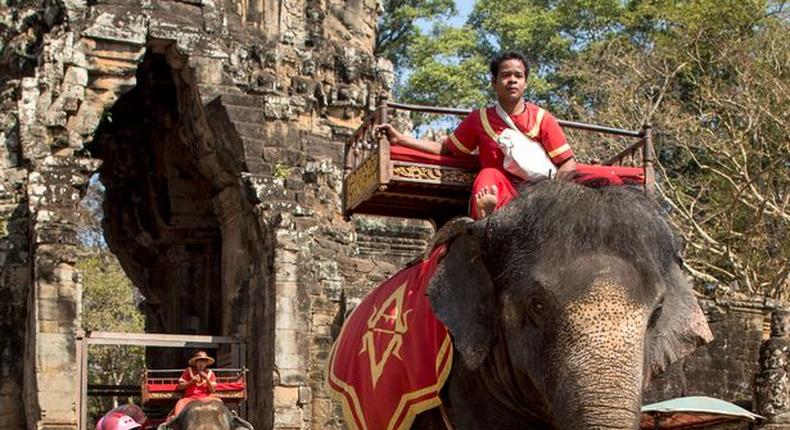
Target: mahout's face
pixel 511 81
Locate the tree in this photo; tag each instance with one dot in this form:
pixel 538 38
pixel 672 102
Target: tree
pixel 448 70
pixel 109 303
pixel 711 75
pixel 398 29
pixel 714 82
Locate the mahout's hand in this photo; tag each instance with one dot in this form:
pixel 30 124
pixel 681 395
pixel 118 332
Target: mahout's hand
pixel 392 134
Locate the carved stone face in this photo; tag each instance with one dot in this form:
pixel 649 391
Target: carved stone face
pixel 773 356
pixel 780 323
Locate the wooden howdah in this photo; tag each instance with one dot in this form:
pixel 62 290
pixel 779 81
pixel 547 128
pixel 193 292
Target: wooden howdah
pixel 376 184
pixel 159 387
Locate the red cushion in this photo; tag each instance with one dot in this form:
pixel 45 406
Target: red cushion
pixel 221 386
pixel 587 174
pixel 598 175
pixel 402 153
pixel 161 388
pixel 230 386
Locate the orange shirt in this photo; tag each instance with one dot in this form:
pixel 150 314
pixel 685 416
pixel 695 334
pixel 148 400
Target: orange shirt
pixel 199 389
pixel 479 129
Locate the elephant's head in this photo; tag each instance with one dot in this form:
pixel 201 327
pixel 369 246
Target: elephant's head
pixel 210 415
pixel 571 296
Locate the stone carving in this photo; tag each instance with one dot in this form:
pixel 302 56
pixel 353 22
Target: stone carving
pixel 217 125
pixel 772 383
pixel 224 176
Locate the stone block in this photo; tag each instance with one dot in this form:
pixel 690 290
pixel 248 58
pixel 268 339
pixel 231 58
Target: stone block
pixel 286 273
pixel 285 397
pixel 287 316
pixel 68 292
pixel 286 288
pixel 288 418
pixel 286 257
pixel 49 326
pixel 47 291
pixel 76 76
pixel 291 376
pixel 305 395
pixel 333 290
pixel 126 28
pixel 324 410
pixel 65 273
pixel 59 382
pixel 58 309
pixel 286 345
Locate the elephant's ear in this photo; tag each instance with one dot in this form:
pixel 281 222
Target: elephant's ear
pixel 681 328
pixel 462 297
pixel 240 424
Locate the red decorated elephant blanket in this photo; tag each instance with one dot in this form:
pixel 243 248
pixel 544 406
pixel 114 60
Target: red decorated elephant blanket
pixel 392 356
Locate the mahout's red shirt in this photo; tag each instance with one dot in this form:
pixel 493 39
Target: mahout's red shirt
pixel 480 129
pixel 199 389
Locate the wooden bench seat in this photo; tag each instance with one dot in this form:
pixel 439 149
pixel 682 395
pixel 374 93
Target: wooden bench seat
pixel 384 179
pixel 160 387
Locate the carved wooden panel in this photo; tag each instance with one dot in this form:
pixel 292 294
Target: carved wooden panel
pixel 433 174
pixel 362 182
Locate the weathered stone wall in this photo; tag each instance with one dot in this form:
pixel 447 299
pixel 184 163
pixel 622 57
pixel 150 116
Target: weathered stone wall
pixel 220 129
pixel 217 128
pixel 726 367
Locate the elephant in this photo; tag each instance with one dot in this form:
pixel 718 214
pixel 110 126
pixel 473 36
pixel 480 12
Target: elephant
pixel 562 306
pixel 208 415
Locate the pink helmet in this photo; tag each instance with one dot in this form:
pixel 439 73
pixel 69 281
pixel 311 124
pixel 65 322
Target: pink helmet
pixel 118 422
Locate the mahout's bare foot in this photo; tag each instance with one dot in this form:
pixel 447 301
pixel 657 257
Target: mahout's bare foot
pixel 486 200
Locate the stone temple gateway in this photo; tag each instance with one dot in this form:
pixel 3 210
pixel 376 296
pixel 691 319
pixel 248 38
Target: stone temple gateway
pixel 217 129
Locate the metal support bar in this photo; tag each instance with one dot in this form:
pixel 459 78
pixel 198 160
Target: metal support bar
pixel 648 157
pixel 562 122
pixel 82 375
pixel 157 340
pixel 215 370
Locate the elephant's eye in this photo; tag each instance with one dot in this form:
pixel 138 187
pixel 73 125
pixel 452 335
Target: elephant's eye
pixel 656 315
pixel 537 307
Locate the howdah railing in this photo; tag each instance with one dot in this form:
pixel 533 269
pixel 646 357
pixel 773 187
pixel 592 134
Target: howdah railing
pixel 372 183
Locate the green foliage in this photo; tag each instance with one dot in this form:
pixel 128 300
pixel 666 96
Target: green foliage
pixel 109 303
pixel 397 27
pixel 711 75
pixel 447 70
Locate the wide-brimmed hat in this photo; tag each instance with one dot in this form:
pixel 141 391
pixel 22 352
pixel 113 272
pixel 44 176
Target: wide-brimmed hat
pixel 201 355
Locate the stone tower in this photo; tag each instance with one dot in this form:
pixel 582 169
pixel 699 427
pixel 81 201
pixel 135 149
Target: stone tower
pixel 772 383
pixel 216 127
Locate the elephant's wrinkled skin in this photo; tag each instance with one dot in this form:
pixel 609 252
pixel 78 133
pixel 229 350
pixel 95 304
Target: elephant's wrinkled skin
pixel 562 307
pixel 206 416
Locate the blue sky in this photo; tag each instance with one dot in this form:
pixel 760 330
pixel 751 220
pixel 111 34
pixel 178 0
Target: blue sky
pixel 464 8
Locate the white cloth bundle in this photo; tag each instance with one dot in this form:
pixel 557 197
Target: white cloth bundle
pixel 524 157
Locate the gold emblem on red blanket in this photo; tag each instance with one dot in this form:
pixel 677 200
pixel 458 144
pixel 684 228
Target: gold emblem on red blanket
pixel 389 319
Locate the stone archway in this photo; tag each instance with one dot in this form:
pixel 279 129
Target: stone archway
pixel 177 214
pixel 263 104
pixel 159 213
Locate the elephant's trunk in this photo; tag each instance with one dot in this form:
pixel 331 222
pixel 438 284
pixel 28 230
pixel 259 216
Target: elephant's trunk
pixel 600 367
